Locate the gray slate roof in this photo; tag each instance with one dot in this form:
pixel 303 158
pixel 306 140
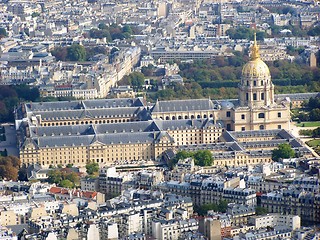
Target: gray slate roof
pixel 85 104
pixel 183 105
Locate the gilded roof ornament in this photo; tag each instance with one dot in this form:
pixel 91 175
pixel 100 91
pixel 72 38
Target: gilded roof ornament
pixel 255 49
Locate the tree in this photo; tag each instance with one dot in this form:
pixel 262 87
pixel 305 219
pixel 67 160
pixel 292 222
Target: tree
pixel 261 210
pixel 314 114
pixel 55 176
pixel 63 178
pixel 314 31
pixel 76 52
pixel 136 80
pixel 92 51
pixel 316 132
pixel 284 150
pixel 102 26
pixel 203 158
pixel 22 174
pixel 147 71
pixel 66 183
pixel 92 168
pixel 60 53
pixel 3 33
pixel 35 14
pixel 9 167
pixel 220 207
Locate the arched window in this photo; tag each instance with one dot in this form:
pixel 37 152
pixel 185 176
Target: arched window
pixel 205 116
pixel 167 118
pixel 261 115
pixel 261 127
pixel 198 116
pixel 173 118
pixel 192 117
pixel 179 117
pixel 186 117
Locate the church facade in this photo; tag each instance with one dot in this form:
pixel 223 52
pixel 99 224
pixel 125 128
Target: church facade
pixel 256 108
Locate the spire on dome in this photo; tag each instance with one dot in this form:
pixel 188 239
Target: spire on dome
pixel 255 49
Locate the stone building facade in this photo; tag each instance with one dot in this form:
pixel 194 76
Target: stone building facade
pixel 111 131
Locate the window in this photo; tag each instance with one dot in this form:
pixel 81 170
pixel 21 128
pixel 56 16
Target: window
pixel 261 83
pixel 228 114
pixel 247 96
pixel 279 114
pixel 247 83
pixel 243 116
pixel 243 129
pixel 261 127
pixel 228 127
pixel 254 96
pixel 261 115
pixel 262 96
pixel 254 83
pixel 279 126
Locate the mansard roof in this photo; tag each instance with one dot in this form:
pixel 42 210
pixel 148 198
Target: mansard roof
pixel 84 104
pixel 183 105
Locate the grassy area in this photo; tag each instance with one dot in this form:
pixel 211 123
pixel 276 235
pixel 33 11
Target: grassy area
pixel 313 143
pixel 308 124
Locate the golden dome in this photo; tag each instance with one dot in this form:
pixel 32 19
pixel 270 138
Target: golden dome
pixel 255 68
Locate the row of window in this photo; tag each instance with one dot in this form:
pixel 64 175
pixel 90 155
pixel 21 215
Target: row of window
pixel 261 127
pixel 187 117
pixel 254 97
pixel 86 122
pixel 255 83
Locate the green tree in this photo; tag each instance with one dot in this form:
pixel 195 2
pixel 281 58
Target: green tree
pixel 316 132
pixel 22 174
pixel 284 150
pixel 137 80
pixel 220 207
pixel 55 176
pixel 60 53
pixel 102 26
pixel 66 183
pixel 314 114
pixel 314 31
pixel 76 52
pixel 203 158
pixel 35 14
pixel 261 210
pixel 3 33
pixel 92 168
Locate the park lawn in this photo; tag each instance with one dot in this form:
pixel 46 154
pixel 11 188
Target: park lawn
pixel 313 143
pixel 309 124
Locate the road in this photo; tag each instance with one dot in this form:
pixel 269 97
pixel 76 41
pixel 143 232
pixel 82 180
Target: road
pixel 11 141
